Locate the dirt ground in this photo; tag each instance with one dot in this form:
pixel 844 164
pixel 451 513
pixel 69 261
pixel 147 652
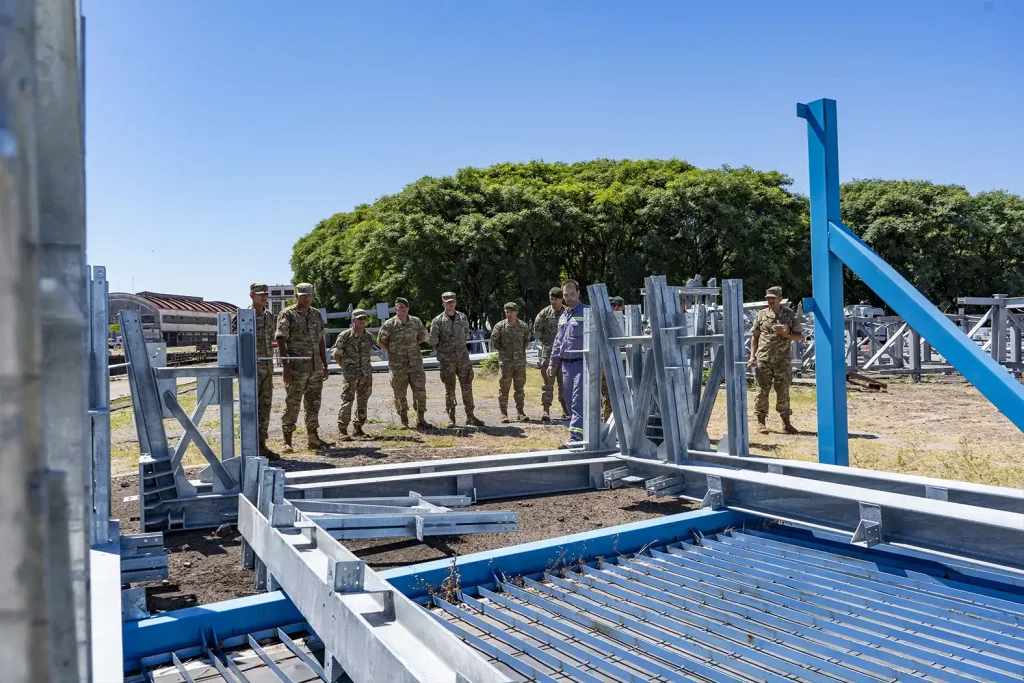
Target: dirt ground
pixel 941 428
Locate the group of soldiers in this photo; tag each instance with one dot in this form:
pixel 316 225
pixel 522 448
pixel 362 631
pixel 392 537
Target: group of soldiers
pixel 300 335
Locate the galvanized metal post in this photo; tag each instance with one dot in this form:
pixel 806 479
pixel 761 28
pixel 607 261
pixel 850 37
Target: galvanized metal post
pixel 99 404
pixel 247 399
pixel 998 348
pixel 592 423
pixel 24 641
pixel 63 291
pixel 915 354
pixel 227 355
pixel 737 434
pixel 827 282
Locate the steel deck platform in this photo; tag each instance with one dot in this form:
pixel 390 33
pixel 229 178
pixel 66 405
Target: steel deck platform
pixel 779 605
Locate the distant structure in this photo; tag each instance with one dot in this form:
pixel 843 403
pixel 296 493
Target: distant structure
pixel 175 319
pixel 279 295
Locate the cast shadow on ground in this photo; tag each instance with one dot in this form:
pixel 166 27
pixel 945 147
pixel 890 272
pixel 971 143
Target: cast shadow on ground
pixel 157 602
pixel 201 541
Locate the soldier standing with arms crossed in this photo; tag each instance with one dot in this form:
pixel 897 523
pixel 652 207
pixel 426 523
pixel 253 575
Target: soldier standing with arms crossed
pixel 300 332
pixel 545 329
pixel 449 333
pixel 351 352
pixel 265 326
pixel 510 337
pixel 568 349
pixel 775 329
pixel 401 337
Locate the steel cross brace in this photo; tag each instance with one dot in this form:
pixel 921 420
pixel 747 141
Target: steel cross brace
pixel 833 244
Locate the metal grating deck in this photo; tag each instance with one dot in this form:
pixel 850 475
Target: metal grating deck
pixel 779 605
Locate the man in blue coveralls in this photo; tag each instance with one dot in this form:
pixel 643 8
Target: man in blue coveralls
pixel 568 348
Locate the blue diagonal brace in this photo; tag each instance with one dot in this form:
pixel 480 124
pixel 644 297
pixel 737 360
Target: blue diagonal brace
pixel 990 378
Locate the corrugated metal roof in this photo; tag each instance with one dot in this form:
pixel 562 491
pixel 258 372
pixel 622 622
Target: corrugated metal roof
pixel 752 605
pixel 176 302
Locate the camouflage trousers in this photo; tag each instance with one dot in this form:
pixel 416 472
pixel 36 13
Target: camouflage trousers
pixel 401 381
pixel 507 376
pixel 549 385
pixel 774 373
pixel 307 389
pixel 264 396
pixel 355 388
pixel 462 370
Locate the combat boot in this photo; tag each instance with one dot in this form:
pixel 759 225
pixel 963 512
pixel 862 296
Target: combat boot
pixel 472 419
pixel 343 433
pixel 451 419
pixel 288 442
pixel 504 419
pixel 565 415
pixel 315 443
pixel 405 420
pixel 522 416
pixel 421 422
pixel 787 427
pixel 546 415
pixel 762 425
pixel 267 453
pixel 357 432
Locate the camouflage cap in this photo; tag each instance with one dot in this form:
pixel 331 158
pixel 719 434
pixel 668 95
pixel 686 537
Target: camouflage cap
pixel 775 291
pixel 555 292
pixel 448 296
pixel 304 288
pixel 401 300
pixel 511 306
pixel 617 301
pixel 258 288
pixel 358 313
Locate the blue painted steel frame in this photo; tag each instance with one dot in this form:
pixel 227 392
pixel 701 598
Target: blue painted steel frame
pixel 832 245
pixel 182 628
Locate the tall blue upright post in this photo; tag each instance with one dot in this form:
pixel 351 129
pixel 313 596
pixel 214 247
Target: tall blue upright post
pixel 827 281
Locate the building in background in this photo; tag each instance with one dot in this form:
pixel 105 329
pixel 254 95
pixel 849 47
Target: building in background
pixel 175 319
pixel 279 295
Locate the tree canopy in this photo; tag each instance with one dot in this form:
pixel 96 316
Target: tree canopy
pixel 512 231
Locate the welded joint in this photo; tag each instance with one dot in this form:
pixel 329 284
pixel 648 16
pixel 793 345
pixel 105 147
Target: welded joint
pixel 715 496
pixel 869 530
pixel 346 576
pixel 936 492
pixel 282 515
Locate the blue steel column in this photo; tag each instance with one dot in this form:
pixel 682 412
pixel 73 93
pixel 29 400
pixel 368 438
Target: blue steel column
pixel 827 280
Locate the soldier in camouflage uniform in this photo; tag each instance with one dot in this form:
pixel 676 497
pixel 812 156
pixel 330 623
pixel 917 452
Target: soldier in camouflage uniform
pixel 449 333
pixel 775 329
pixel 510 338
pixel 351 352
pixel 264 368
pixel 618 305
pixel 401 337
pixel 300 333
pixel 545 329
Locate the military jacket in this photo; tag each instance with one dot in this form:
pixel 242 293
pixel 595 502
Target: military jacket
pixel 300 333
pixel 265 327
pixel 355 352
pixel 448 336
pixel 511 339
pixel 545 329
pixel 403 341
pixel 770 345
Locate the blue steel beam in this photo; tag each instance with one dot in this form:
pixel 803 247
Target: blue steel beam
pixel 990 378
pixel 827 283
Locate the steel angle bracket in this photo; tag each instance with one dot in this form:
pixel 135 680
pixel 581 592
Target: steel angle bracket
pixel 613 478
pixel 665 485
pixel 869 530
pixel 715 496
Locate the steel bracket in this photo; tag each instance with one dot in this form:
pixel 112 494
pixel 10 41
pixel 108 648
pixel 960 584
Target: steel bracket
pixel 869 531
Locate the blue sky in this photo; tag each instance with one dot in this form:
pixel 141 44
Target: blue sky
pixel 220 132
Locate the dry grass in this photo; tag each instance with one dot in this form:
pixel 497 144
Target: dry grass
pixel 935 428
